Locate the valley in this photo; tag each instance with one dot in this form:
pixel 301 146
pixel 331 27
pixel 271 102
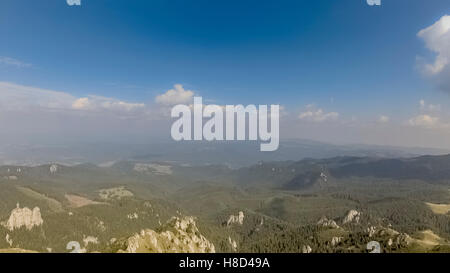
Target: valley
pixel 332 205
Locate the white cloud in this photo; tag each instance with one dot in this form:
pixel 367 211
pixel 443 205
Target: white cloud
pixel 429 107
pixel 317 115
pixel 17 97
pixel 429 117
pixel 30 115
pixel 81 103
pixel 437 40
pixel 13 62
pixel 177 95
pixel 102 103
pixel 73 2
pixel 383 119
pixel 427 121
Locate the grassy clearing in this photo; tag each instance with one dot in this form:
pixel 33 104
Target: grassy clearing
pixel 439 208
pixel 53 204
pixel 77 201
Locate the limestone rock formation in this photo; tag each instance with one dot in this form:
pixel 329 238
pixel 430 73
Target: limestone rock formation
pixel 178 235
pixel 132 216
pixel 232 243
pixel 381 231
pixel 90 240
pixel 53 168
pixel 353 216
pixel 8 240
pixel 236 219
pixel 371 231
pixel 336 240
pixel 306 249
pixel 24 217
pixel 325 222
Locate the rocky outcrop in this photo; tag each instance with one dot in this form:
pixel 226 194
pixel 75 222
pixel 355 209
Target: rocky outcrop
pixel 132 216
pixel 53 168
pixel 403 239
pixel 353 216
pixel 8 240
pixel 24 217
pixel 306 249
pixel 178 235
pixel 381 231
pixel 89 240
pixel 325 222
pixel 336 240
pixel 393 236
pixel 371 231
pixel 232 243
pixel 101 226
pixel 236 219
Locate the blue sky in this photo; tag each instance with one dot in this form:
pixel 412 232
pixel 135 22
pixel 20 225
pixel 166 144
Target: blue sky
pixel 343 56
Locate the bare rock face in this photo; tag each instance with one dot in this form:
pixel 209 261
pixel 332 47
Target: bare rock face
pixel 336 240
pixel 352 216
pixel 325 222
pixel 404 239
pixel 393 235
pixel 132 216
pixel 24 217
pixel 236 219
pixel 90 240
pixel 8 240
pixel 53 168
pixel 371 231
pixel 390 242
pixel 232 243
pixel 178 235
pixel 306 249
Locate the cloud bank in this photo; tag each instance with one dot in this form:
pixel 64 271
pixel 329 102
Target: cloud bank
pixel 437 40
pixel 36 115
pixel 19 97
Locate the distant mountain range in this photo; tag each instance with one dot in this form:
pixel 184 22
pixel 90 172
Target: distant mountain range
pixel 232 154
pixel 310 172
